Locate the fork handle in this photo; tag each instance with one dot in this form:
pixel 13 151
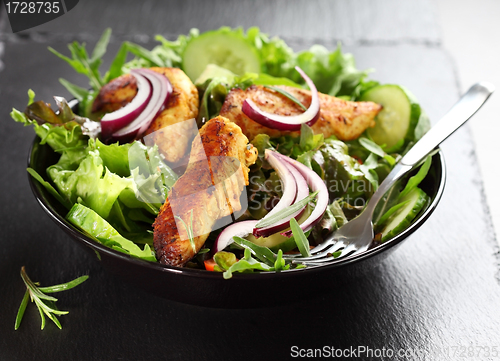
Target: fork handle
pixel 462 111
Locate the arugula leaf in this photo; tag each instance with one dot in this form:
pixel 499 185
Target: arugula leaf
pixel 262 142
pixel 100 49
pixel 213 97
pixel 280 264
pixel 414 181
pixel 262 253
pixel 333 73
pixel 247 263
pixel 368 169
pixel 82 63
pixel 332 219
pixel 169 54
pixel 391 202
pixel 376 149
pixel 308 140
pixel 423 125
pixel 78 92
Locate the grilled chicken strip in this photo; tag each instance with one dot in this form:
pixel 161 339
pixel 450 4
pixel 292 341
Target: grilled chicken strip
pixel 206 192
pixel 173 140
pixel 346 120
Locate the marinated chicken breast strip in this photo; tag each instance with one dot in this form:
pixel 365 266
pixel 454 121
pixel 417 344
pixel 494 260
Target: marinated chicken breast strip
pixel 169 130
pixel 346 120
pixel 209 190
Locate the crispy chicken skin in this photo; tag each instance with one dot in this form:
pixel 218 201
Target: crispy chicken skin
pixel 203 191
pixel 346 120
pixel 173 141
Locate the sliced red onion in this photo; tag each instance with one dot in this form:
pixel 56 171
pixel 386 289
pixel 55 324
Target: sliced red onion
pixel 114 121
pixel 239 229
pixel 316 184
pixel 289 186
pixel 302 192
pixel 161 90
pixel 309 117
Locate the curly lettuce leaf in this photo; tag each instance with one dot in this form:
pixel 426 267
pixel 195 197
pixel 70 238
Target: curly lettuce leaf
pixel 91 183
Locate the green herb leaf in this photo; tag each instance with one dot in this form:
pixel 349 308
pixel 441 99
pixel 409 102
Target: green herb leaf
pixel 287 95
pixel 31 96
pixel 100 49
pixel 246 264
pixel 262 253
pixel 64 286
pixel 368 169
pixel 300 238
pixel 308 140
pixel 381 221
pixel 264 222
pixel 376 149
pixel 204 250
pixel 414 181
pixel 78 92
pixel 22 308
pixel 280 264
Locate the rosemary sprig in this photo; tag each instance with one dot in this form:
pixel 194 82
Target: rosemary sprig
pixel 46 304
pixel 189 230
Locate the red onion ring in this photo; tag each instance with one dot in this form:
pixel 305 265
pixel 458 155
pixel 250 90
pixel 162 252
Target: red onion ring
pixel 316 184
pixel 289 187
pixel 302 192
pixel 239 229
pixel 309 117
pixel 114 121
pixel 161 90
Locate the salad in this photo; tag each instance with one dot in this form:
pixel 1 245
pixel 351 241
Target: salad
pixel 309 167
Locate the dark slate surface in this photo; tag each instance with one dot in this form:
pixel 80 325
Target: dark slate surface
pixel 361 20
pixel 439 290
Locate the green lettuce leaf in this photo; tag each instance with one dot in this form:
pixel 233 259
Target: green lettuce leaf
pixel 97 227
pixel 91 182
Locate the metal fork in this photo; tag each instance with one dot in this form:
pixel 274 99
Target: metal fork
pixel 356 235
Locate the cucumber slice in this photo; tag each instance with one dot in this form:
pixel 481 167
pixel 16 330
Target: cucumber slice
pixel 398 118
pixel 214 71
pixel 276 241
pixel 400 220
pixel 223 48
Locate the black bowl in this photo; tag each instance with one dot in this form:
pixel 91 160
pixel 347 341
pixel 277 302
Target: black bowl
pixel 209 289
